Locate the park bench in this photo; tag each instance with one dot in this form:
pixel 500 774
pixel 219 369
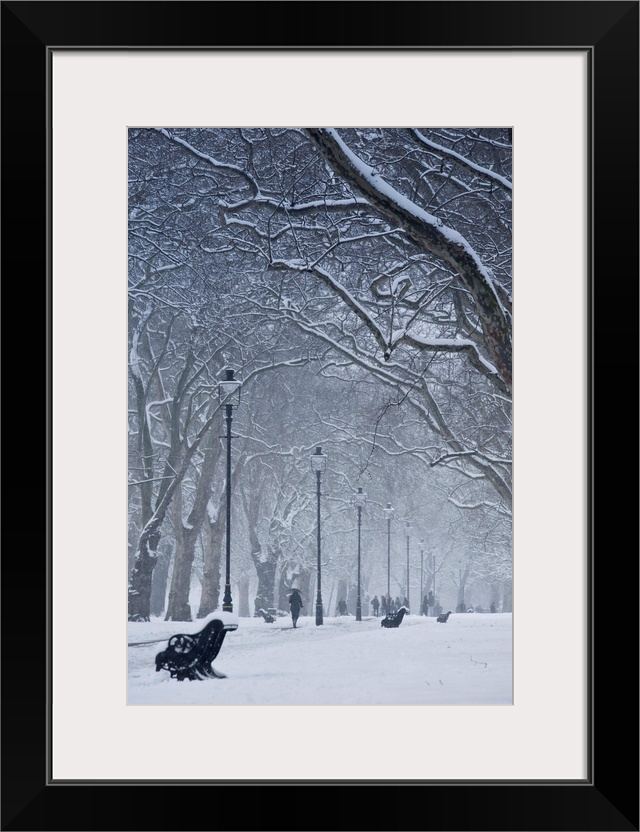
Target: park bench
pixel 393 619
pixel 268 615
pixel 190 656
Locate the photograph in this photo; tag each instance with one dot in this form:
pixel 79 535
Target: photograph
pixel 320 431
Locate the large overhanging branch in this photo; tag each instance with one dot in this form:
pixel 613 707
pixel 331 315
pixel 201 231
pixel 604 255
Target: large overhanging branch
pixel 432 235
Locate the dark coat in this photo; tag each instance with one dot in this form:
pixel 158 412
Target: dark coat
pixel 295 601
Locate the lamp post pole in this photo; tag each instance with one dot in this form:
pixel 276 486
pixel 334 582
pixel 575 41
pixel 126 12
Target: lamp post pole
pixel 360 501
pixel 318 464
pixel 433 560
pixel 388 558
pixel 229 392
pixel 389 515
pixel 319 619
pixel 227 604
pixel 408 533
pixel 422 574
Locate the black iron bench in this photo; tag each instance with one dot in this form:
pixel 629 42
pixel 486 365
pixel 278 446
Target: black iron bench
pixel 190 656
pixel 393 619
pixel 267 615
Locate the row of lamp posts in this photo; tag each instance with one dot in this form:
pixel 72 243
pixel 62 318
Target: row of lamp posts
pixel 389 513
pixel 229 394
pixel 319 466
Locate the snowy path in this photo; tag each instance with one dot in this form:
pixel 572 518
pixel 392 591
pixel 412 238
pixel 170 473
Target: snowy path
pixel 464 662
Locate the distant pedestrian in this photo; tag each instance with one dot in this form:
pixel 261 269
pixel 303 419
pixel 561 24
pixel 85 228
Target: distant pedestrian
pixel 493 606
pixel 375 604
pixel 383 605
pixel 295 602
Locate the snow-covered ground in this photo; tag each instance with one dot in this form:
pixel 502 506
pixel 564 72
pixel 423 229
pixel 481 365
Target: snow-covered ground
pixel 467 661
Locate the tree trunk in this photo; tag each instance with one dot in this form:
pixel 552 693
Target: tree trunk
pixel 142 573
pixel 159 581
pixel 243 598
pixel 464 577
pixel 495 596
pixel 175 469
pixel 352 596
pixel 186 539
pixel 507 597
pixel 342 590
pixel 214 530
pixel 325 604
pixel 304 584
pixel 282 582
pixel 178 608
pixel 266 570
pixel 460 603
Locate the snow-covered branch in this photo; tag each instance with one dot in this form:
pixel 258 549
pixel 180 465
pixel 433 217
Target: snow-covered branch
pixel 430 233
pixel 502 181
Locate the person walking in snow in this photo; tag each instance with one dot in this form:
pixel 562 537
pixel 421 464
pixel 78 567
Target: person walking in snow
pixel 295 602
pixel 375 604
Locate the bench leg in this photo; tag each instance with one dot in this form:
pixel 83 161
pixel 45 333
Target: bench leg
pixel 209 672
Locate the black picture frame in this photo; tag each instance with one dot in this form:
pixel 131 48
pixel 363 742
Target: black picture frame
pixel 608 798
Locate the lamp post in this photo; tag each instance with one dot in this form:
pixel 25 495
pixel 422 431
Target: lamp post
pixel 360 499
pixel 318 464
pixel 229 394
pixel 422 574
pixel 433 561
pixel 388 513
pixel 408 533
